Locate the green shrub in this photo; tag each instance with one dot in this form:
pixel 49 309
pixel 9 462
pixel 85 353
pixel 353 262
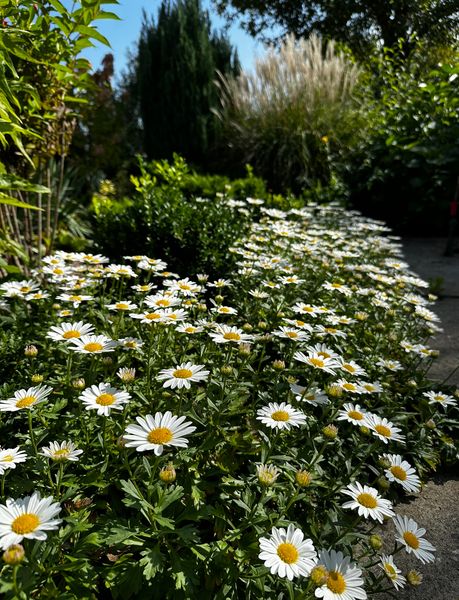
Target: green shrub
pixel 166 216
pixel 405 170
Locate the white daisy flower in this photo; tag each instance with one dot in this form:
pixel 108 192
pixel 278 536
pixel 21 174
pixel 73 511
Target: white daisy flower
pixel 313 395
pixel 153 433
pixel 149 317
pixel 122 306
pixel 439 398
pixel 296 335
pixel 287 553
pixel 371 388
pixel 118 271
pixel 170 315
pixel 104 398
pixel 280 416
pixel 349 386
pixel 69 331
pixel 93 344
pixel 331 331
pixel 259 294
pixel 353 414
pixel 351 367
pixel 189 328
pixel 392 571
pixel 162 301
pixel 126 374
pixel 411 536
pixel 383 429
pixel 225 334
pixel 10 457
pixel 344 580
pixel 324 351
pixel 75 299
pixel 146 287
pixel 328 365
pixel 306 309
pixel 185 287
pixel 60 452
pixel 402 472
pixel 130 343
pixel 390 365
pixel 367 502
pixel 26 398
pixel 30 518
pixel 224 310
pixel 220 283
pixel 337 287
pixel 298 324
pixel 182 375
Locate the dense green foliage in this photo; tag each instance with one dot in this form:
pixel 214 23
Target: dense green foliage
pixel 404 169
pixel 361 24
pixel 178 56
pixel 167 214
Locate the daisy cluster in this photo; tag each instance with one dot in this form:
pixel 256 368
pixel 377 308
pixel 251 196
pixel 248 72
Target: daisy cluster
pixel 248 436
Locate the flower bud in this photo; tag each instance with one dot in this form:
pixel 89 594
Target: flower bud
pixel 226 370
pixel 278 365
pixel 267 474
pixel 30 351
pixel 79 384
pixel 107 360
pixel 244 349
pixel 14 554
pixel 384 462
pixel 126 374
pixel 376 542
pixel 412 383
pixel 219 299
pixel 430 424
pixel 330 432
pixel 335 391
pixel 247 327
pixel 201 307
pixel 383 484
pixel 414 577
pixel 168 473
pixel 262 325
pixel 37 378
pixel 319 575
pixel 121 442
pixel 202 277
pixel 361 316
pixel 303 478
pixel 365 430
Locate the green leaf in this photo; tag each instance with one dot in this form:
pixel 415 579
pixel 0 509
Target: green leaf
pixel 5 199
pixel 91 32
pixel 152 562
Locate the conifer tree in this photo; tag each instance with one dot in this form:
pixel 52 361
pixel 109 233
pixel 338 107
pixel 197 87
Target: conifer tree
pixel 178 56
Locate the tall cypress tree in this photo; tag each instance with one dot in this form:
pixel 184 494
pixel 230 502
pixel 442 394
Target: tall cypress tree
pixel 176 66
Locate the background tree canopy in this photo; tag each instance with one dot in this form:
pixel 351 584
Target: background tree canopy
pixel 358 23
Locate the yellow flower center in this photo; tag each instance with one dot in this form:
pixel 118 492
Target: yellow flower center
pixel 61 454
pixel 355 414
pixel 382 430
pixel 367 500
pixel 349 368
pixel 439 398
pixel 75 298
pixel 93 347
pixel 398 472
pixel 25 288
pixel 350 387
pixel 300 323
pixel 163 302
pixel 130 344
pixel 335 582
pixel 25 524
pixel 105 399
pixel 161 435
pixel 184 286
pixel 26 401
pixel 411 540
pixel 231 335
pixel 287 553
pixel 122 306
pixel 317 362
pixel 324 354
pixel 152 316
pixel 183 373
pixel 190 329
pixel 172 316
pixel 308 309
pixel 7 458
pixel 280 415
pixel 224 309
pixel 390 570
pixel 71 333
pixel 336 285
pixel 292 334
pixel 331 330
pixel 58 271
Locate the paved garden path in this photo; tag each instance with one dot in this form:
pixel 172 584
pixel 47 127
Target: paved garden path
pixel 437 508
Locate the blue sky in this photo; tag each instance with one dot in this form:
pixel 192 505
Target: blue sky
pixel 123 34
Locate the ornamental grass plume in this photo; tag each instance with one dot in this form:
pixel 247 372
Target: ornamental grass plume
pixel 296 106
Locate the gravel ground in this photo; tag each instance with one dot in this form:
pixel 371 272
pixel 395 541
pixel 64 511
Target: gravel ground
pixel 436 508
